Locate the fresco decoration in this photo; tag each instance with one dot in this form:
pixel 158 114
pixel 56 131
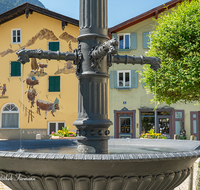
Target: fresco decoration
pixel 37 69
pixel 4 53
pixel 67 37
pixel 70 47
pixel 68 68
pixel 3 94
pixel 28 112
pixel 31 94
pixel 31 82
pixel 42 34
pixel 47 106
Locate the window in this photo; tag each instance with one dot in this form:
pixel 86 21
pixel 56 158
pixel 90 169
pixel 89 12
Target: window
pixel 54 83
pixel 146 39
pixel 55 126
pixel 10 116
pixel 126 41
pixel 123 79
pixel 15 69
pixel 54 46
pixel 16 36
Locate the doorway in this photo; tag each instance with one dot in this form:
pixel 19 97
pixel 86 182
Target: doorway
pixel 164 126
pixel 124 125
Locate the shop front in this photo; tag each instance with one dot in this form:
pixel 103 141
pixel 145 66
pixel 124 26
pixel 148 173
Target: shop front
pixel 164 120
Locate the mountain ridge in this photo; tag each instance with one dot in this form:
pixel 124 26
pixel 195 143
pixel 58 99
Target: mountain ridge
pixel 6 5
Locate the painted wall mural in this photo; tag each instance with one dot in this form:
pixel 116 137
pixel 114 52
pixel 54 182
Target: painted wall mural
pixel 37 69
pixel 41 35
pixel 31 96
pixel 47 106
pixel 68 68
pixel 28 112
pixel 4 53
pixel 67 37
pixel 3 88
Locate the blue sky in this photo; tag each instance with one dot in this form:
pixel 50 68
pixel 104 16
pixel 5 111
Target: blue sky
pixel 118 10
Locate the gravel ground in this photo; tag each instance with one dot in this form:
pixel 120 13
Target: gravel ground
pixel 183 186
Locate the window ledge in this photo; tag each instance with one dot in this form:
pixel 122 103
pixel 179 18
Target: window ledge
pixel 128 88
pixel 124 50
pixel 8 128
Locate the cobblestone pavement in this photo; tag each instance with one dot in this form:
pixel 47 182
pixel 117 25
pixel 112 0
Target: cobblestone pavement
pixel 183 186
pixel 3 187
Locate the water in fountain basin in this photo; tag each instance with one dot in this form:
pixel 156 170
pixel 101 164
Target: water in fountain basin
pixel 112 150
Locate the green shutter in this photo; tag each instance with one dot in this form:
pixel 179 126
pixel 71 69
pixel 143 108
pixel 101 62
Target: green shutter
pixel 146 40
pixel 54 84
pixel 15 69
pixel 54 46
pixel 113 79
pixel 114 35
pixel 133 40
pixel 133 79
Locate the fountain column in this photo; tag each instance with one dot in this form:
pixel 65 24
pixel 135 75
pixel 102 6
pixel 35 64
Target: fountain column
pixel 92 122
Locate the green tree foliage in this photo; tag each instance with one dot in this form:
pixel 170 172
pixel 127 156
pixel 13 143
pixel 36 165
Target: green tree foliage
pixel 176 41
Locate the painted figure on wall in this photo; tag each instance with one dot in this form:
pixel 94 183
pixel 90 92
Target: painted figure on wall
pixel 31 96
pixel 37 69
pixel 31 81
pixel 47 106
pixel 3 89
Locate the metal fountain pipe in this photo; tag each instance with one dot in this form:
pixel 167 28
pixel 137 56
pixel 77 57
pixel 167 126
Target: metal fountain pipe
pixel 25 54
pixel 92 121
pixel 153 61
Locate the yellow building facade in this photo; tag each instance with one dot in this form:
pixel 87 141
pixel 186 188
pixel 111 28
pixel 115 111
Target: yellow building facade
pixel 131 109
pixel 32 27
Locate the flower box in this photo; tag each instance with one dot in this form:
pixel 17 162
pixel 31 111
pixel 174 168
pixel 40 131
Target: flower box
pixel 57 137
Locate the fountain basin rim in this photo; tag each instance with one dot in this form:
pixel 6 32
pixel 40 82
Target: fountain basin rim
pixel 183 149
pixel 102 157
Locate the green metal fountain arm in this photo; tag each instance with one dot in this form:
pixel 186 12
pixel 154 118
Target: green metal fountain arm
pixel 153 61
pixel 25 54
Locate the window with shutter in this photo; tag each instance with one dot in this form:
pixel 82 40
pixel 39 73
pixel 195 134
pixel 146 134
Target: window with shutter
pixel 146 40
pixel 54 46
pixel 15 69
pixel 126 41
pixel 123 79
pixel 54 83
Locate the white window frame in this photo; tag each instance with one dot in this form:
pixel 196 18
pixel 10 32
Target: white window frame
pixel 124 34
pixel 56 122
pixel 124 71
pixel 10 111
pixel 53 42
pixel 16 36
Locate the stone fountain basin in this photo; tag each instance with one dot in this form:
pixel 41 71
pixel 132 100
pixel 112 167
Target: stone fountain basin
pixel 49 171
